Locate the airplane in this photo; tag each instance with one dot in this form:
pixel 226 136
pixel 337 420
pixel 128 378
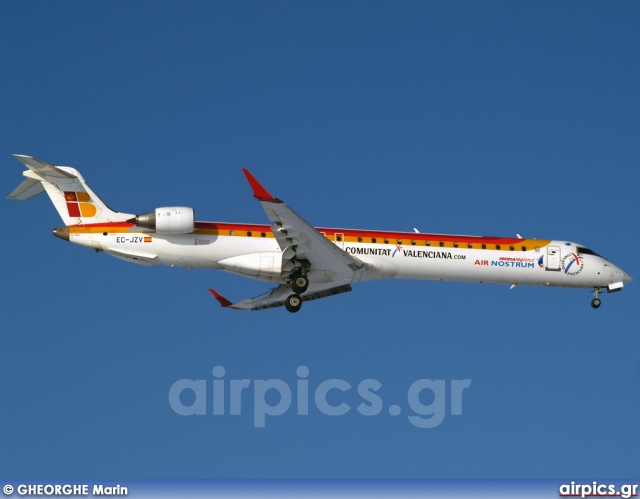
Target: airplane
pixel 304 262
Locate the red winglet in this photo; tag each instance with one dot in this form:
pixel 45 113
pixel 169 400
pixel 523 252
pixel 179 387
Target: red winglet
pixel 223 301
pixel 259 192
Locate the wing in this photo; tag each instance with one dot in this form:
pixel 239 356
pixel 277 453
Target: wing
pixel 302 245
pixel 277 296
pixel 305 252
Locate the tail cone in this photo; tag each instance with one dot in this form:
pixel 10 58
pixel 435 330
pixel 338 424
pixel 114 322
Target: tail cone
pixel 62 232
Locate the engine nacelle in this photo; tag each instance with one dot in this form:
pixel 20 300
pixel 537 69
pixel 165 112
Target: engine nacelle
pixel 263 265
pixel 167 220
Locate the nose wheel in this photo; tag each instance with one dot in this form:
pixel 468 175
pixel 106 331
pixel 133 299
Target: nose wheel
pixel 596 302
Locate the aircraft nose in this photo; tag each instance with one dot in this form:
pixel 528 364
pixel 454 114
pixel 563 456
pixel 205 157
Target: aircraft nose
pixel 618 273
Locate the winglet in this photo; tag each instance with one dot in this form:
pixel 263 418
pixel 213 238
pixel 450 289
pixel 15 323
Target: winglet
pixel 223 301
pixel 259 192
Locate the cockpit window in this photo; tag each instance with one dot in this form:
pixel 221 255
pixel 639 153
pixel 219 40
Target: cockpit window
pixel 586 251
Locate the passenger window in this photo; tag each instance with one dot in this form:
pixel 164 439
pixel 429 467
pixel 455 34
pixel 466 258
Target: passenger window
pixel 338 238
pixel 263 234
pixel 413 243
pixel 484 246
pixel 524 248
pixel 441 244
pixel 248 234
pixel 399 241
pixel 232 232
pixel 455 245
pixel 428 243
pixel 469 245
pixel 373 239
pixel 511 248
pixel 497 246
pixel 359 239
pixel 386 241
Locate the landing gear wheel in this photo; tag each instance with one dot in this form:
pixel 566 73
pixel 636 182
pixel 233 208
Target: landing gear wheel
pixel 300 283
pixel 595 303
pixel 293 303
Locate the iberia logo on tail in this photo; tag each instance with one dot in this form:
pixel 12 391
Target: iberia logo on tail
pixel 79 204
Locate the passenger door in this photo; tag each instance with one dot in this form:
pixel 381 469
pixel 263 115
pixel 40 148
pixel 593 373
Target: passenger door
pixel 553 258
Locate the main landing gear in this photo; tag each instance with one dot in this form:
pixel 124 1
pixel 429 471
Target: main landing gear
pixel 299 284
pixel 293 303
pixel 596 302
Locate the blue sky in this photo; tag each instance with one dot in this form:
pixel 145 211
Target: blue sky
pixel 458 117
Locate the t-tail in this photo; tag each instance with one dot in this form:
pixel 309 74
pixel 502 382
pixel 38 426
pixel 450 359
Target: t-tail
pixel 73 198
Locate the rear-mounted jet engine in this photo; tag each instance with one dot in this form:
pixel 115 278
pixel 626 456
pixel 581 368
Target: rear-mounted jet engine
pixel 167 220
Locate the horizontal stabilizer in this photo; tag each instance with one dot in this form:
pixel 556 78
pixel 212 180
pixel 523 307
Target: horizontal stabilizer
pixel 27 189
pixel 75 202
pixel 40 167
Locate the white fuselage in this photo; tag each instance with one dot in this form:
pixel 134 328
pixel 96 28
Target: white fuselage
pixel 392 255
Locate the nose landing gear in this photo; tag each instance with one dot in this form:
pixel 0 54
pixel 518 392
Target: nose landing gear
pixel 596 302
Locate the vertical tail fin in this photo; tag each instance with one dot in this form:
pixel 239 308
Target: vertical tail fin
pixel 73 198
